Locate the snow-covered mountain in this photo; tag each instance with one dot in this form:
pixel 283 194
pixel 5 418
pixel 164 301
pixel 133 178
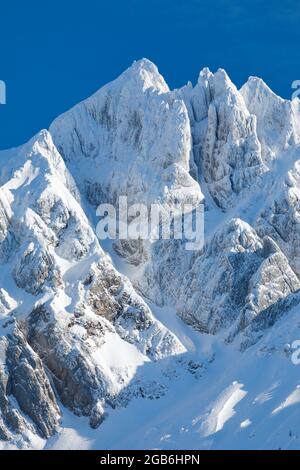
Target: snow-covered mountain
pixel 135 344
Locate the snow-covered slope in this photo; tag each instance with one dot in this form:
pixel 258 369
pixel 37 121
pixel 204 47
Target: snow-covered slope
pixel 192 348
pixel 72 327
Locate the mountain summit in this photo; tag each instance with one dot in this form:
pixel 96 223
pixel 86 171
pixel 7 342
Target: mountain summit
pixel 144 344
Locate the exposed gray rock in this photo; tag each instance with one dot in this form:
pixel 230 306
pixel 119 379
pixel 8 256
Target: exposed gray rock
pixel 36 267
pixel 25 379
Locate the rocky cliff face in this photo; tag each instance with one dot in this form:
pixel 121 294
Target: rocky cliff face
pixel 226 146
pixel 76 327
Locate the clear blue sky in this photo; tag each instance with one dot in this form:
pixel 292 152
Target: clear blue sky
pixel 55 53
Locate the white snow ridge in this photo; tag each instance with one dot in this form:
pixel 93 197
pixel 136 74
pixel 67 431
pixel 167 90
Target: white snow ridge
pixel 133 344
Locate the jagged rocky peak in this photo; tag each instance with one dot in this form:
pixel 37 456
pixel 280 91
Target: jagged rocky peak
pixel 226 147
pixel 133 138
pixel 42 214
pixel 63 306
pixel 280 215
pixel 145 72
pixel 219 83
pixel 278 120
pixel 37 160
pixel 239 277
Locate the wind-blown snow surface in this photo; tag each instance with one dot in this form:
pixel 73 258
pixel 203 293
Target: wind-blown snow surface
pixel 240 401
pixel 148 345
